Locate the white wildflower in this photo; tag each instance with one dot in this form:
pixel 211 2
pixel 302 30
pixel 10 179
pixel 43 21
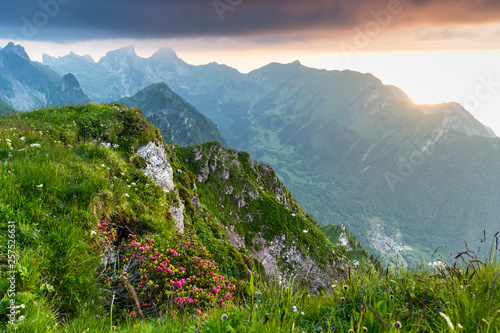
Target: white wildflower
pixel 305 231
pixel 22 138
pixel 438 264
pixel 126 194
pixel 40 186
pixel 35 145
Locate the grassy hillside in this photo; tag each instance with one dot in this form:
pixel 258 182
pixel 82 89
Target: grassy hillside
pixel 76 207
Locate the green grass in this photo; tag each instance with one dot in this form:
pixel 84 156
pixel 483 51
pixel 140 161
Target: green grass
pixel 56 182
pixel 59 179
pixel 417 299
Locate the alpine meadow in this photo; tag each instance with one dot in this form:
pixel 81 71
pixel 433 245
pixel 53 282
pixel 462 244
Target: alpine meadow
pixel 249 166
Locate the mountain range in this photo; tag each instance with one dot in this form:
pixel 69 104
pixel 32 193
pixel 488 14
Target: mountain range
pixel 26 85
pixel 404 178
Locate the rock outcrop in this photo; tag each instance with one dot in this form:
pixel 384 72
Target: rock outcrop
pixel 159 170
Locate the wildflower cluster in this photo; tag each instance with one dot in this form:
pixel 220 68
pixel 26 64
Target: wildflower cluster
pixel 181 275
pixel 108 234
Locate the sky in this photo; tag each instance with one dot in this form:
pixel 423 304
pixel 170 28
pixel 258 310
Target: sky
pixel 434 50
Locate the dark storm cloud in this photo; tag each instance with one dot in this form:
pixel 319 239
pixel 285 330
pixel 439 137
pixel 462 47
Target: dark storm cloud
pixel 60 20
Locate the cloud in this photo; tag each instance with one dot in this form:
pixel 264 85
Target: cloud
pixel 445 34
pixel 69 20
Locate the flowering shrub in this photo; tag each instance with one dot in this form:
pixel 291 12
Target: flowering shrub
pixel 183 275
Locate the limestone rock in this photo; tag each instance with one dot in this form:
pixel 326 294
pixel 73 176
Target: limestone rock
pixel 157 168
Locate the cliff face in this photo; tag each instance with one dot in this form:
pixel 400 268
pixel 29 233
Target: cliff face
pixel 259 217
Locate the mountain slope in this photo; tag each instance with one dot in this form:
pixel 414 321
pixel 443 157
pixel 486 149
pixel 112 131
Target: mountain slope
pixel 5 108
pixel 342 142
pixel 27 85
pixel 177 120
pixel 23 84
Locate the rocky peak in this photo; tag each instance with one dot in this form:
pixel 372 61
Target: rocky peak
pixel 126 57
pixel 127 51
pixel 70 91
pixel 15 49
pixel 67 59
pixel 86 57
pixel 458 118
pixel 165 53
pixel 69 81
